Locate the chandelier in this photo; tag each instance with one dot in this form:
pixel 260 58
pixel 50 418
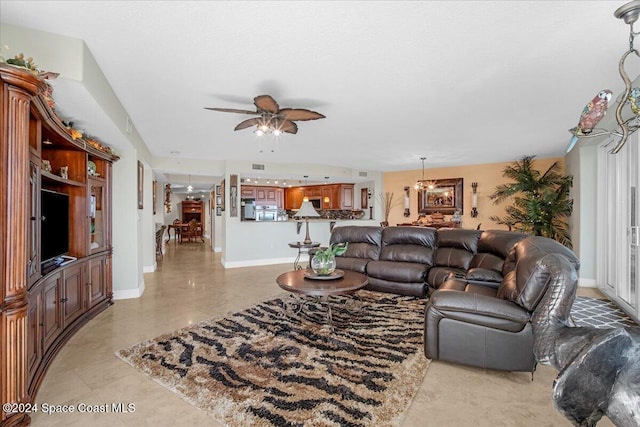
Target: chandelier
pixel 421 184
pixel 628 12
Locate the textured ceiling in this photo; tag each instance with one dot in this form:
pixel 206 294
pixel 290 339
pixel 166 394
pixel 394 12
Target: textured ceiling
pixel 457 82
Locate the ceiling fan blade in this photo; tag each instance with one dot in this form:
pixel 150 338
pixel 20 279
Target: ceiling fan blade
pixel 231 110
pixel 247 123
pixel 288 126
pixel 266 103
pixel 299 114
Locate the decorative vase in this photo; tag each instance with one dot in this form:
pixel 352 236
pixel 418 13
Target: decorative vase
pixel 323 266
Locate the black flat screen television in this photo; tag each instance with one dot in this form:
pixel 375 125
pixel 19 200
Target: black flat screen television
pixel 54 228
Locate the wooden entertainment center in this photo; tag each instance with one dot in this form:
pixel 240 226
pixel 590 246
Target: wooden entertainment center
pixel 42 306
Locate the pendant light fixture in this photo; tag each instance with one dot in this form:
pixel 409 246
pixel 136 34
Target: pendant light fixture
pixel 190 187
pixel 419 185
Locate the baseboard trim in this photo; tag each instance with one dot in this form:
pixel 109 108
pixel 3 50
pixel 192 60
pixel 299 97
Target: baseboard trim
pixel 149 268
pixel 258 262
pixel 587 283
pixel 129 293
pixel 217 249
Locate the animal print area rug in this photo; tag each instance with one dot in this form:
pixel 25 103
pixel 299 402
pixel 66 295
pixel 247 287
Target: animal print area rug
pixel 268 366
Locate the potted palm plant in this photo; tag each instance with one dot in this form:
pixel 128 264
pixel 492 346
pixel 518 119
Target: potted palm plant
pixel 323 262
pixel 541 203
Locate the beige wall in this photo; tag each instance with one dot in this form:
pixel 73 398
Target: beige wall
pixel 488 176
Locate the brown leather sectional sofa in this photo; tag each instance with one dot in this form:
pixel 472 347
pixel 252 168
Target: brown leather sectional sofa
pixel 483 286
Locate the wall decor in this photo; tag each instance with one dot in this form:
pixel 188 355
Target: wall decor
pixel 364 198
pixel 140 185
pixel 441 195
pixel 222 202
pixel 233 195
pixel 154 187
pixel 167 198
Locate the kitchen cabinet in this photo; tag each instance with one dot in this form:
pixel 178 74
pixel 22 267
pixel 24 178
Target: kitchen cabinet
pixel 340 196
pixel 247 192
pixel 293 198
pixel 346 196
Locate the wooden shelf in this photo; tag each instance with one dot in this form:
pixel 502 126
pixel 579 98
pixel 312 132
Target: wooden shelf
pixel 61 180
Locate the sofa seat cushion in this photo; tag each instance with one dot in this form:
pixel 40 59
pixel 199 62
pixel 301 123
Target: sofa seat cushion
pixel 395 271
pixel 416 289
pixel 359 265
pixel 484 275
pixel 437 275
pixel 476 307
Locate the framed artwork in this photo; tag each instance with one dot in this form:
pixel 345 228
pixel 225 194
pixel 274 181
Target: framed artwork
pixel 364 198
pixel 154 188
pixel 222 195
pixel 218 211
pixel 233 195
pixel 441 195
pixel 140 185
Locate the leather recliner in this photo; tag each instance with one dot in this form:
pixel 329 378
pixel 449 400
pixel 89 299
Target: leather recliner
pixel 478 325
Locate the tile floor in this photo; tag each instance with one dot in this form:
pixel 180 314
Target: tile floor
pixel 190 285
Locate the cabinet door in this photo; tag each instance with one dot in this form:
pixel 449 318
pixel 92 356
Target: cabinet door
pixel 271 195
pixel 280 198
pixel 98 216
pixel 73 283
pixel 293 198
pixel 52 314
pixel 346 197
pixel 33 235
pixel 96 286
pixel 248 192
pixel 35 327
pixel 261 196
pixel 327 202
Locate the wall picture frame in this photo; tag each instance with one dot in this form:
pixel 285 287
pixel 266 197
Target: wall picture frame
pixel 140 185
pixel 154 190
pixel 441 195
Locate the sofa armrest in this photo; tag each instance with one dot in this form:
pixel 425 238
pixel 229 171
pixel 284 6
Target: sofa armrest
pixel 478 309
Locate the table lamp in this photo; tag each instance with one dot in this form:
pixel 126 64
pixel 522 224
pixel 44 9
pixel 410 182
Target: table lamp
pixel 307 211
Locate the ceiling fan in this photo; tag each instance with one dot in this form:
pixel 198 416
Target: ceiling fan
pixel 271 119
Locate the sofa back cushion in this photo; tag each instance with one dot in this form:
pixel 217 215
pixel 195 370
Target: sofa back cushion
pixel 408 244
pixel 364 241
pixel 456 247
pixel 526 284
pixel 499 242
pixel 493 248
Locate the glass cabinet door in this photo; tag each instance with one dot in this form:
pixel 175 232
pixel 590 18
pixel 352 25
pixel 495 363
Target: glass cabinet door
pixel 97 220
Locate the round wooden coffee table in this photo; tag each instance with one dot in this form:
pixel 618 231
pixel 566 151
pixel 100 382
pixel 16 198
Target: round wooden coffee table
pixel 296 283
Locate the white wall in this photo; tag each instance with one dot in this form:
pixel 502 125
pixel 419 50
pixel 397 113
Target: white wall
pixel 148 223
pixel 581 163
pixel 128 280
